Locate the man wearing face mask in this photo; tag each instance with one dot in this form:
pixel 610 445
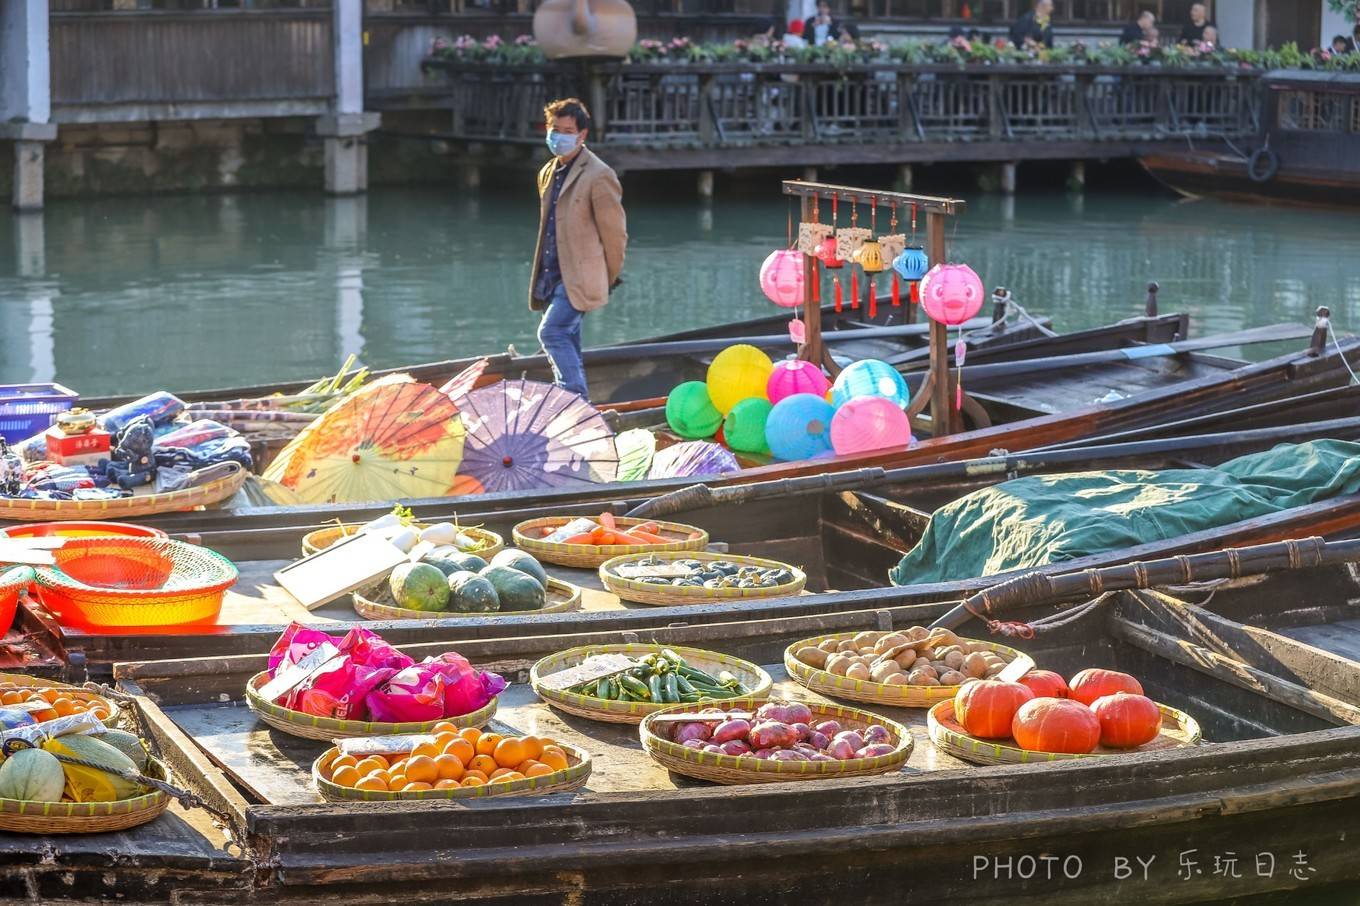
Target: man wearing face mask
pixel 582 235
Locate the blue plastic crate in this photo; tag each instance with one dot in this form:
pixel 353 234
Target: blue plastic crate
pixel 29 409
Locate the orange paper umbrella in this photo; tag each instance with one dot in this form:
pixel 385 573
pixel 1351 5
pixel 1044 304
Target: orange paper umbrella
pixel 393 439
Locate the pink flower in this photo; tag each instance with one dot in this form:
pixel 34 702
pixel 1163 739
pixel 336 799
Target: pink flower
pixel 492 42
pixel 440 44
pixel 524 41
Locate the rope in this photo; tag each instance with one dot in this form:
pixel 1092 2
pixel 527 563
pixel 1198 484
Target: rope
pixel 1327 322
pixel 185 798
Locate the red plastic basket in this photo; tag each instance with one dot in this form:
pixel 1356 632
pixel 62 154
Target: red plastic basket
pixel 12 583
pixel 81 530
pixel 127 582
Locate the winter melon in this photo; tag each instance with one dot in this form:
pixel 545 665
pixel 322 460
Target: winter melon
pixel 92 784
pixel 32 775
pixel 129 745
pixel 450 560
pixel 516 590
pixel 419 586
pixel 471 593
pixel 523 562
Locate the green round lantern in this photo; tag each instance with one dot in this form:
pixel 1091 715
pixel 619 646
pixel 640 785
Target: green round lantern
pixel 691 413
pixel 744 427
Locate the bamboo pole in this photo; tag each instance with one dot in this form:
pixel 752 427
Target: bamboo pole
pixel 943 419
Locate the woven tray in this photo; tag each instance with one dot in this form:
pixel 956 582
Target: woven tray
pixel 526 536
pixel 573 778
pixel 744 769
pixel 21 510
pixel 9 681
pixel 309 726
pixel 319 540
pixel 670 595
pixel 17 816
pixel 562 597
pixel 830 684
pixel 751 676
pixel 1179 730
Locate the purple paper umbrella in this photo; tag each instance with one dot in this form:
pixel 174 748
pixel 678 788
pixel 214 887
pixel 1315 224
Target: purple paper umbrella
pixel 691 459
pixel 528 434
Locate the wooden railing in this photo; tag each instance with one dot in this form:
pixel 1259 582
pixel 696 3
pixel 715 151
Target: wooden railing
pixel 167 58
pixel 734 105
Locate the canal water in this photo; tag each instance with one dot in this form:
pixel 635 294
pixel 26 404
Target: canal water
pixel 136 294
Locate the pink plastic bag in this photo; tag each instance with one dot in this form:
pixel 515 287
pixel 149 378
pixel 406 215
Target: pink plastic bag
pixel 295 644
pixel 343 693
pixel 416 694
pixel 467 689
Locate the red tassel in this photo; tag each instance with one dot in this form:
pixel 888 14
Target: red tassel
pixel 915 292
pixel 837 282
pixel 816 290
pixel 896 293
pixel 873 301
pixel 854 290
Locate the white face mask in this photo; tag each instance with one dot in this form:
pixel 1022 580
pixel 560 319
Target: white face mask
pixel 562 143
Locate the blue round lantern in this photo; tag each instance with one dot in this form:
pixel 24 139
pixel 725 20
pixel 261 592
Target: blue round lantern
pixel 799 427
pixel 912 264
pixel 870 377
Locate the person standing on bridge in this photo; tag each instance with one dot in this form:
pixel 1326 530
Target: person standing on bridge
pixel 1193 34
pixel 1136 32
pixel 1034 29
pixel 582 235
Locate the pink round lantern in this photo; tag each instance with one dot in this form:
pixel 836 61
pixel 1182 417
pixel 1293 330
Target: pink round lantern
pixel 781 278
pixel 869 423
pixel 795 376
pixel 951 293
pixel 826 253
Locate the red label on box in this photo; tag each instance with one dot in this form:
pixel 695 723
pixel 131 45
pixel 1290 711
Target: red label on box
pixel 61 446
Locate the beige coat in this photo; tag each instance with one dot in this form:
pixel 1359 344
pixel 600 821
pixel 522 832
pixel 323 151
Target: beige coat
pixel 592 231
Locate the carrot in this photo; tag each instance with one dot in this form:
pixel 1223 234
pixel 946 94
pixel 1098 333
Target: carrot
pixel 548 530
pixel 583 538
pixel 633 538
pixel 601 535
pixel 645 527
pixel 607 520
pixel 649 537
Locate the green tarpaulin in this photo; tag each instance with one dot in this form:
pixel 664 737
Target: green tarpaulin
pixel 1034 521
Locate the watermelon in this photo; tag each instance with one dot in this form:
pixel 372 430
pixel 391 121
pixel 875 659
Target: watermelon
pixel 419 586
pixel 32 775
pixel 516 590
pixel 523 562
pixel 471 593
pixel 450 560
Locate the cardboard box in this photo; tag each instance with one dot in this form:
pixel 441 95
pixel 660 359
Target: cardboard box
pixel 77 449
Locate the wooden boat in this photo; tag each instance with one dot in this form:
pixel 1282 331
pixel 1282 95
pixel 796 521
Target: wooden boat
pixel 845 532
pixel 1308 151
pixel 1269 800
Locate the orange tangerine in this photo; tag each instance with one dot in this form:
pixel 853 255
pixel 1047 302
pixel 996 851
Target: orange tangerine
pixel 484 763
pixel 533 746
pixel 345 775
pixel 501 772
pixel 450 767
pixel 554 758
pixel 398 766
pixel 100 712
pixel 78 706
pixel 12 698
pixel 524 766
pixel 460 747
pixel 372 763
pixel 428 749
pixel 64 706
pixel 446 784
pixel 473 778
pixel 443 739
pixel 341 761
pixel 422 769
pixel 471 734
pixel 509 752
pixel 397 782
pixel 50 695
pixel 487 742
pixel 444 726
pixel 44 714
pixel 417 786
pixel 373 781
pixel 507 777
pixel 538 769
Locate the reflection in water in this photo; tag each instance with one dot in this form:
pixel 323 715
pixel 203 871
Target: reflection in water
pixel 127 295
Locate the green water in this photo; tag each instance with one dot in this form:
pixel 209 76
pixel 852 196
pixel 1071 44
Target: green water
pixel 131 295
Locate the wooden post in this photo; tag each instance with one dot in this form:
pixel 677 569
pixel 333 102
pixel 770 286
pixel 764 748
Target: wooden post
pixel 943 419
pixel 812 311
pixel 1150 308
pixel 1320 329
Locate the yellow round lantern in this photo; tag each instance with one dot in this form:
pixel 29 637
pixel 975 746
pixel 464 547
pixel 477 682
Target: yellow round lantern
pixel 737 373
pixel 870 257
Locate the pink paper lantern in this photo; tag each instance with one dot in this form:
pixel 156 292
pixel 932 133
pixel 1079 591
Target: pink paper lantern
pixel 869 423
pixel 951 293
pixel 795 376
pixel 781 278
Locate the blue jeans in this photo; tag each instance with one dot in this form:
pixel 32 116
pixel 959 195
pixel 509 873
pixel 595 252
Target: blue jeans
pixel 560 334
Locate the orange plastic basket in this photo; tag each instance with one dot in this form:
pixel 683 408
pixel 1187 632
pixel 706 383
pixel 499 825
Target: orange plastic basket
pixel 12 583
pixel 124 582
pixel 81 530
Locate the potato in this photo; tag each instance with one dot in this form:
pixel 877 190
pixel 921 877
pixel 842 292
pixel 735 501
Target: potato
pixel 857 672
pixel 954 658
pixel 837 664
pixel 830 646
pixel 995 671
pixel 815 657
pixel 932 681
pixel 919 678
pixel 916 633
pixel 951 678
pixel 881 673
pixel 906 658
pixel 897 679
pixel 975 665
pixel 867 639
pixel 848 646
pixel 925 669
pixel 890 640
pixel 944 637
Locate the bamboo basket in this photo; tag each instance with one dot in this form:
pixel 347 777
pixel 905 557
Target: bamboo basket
pixel 745 769
pixel 10 681
pixel 311 726
pixel 563 597
pixel 316 541
pixel 830 684
pixel 17 816
pixel 670 595
pixel 216 491
pixel 1179 730
pixel 588 706
pixel 590 556
pixel 573 778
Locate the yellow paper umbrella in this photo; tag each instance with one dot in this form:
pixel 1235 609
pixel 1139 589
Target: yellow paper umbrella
pixel 394 438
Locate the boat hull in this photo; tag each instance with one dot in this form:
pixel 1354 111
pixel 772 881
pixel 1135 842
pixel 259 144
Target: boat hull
pixel 1225 175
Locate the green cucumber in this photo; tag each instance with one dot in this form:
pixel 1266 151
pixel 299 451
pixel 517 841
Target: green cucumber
pixel 606 688
pixel 654 687
pixel 635 688
pixel 671 688
pixel 683 684
pixel 675 659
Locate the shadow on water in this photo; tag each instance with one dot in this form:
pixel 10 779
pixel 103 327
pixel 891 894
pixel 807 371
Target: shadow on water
pixel 130 295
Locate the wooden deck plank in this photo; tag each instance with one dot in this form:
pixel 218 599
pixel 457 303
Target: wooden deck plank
pixel 1340 638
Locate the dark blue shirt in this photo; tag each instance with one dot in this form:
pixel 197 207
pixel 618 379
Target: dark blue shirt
pixel 549 265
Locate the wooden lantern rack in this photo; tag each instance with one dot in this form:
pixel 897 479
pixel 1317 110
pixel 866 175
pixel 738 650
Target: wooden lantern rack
pixel 938 390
